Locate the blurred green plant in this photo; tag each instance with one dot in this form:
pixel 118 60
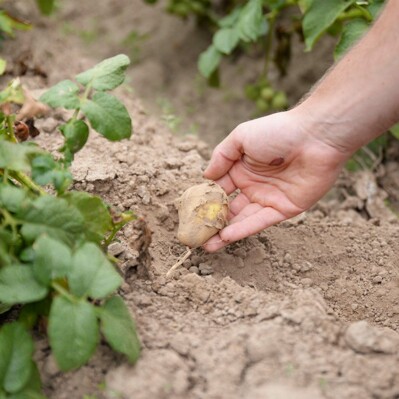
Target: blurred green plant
pixel 9 24
pixel 270 25
pixel 46 7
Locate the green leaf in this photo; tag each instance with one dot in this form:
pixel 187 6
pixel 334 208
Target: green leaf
pixel 97 218
pixel 12 198
pixel 18 285
pixel 92 274
pixel 6 242
pixel 252 23
pixel 319 17
pixel 209 61
pixel 34 383
pixel 4 308
pixel 46 7
pixel 395 130
pixel 351 33
pixel 52 216
pixel 16 157
pixel 106 75
pixel 119 329
pixel 53 259
pixel 231 19
pixel 16 350
pixel 63 94
pixel 45 170
pixel 108 116
pixel 3 66
pixel 375 7
pixel 30 312
pixel 8 24
pixel 13 93
pixel 214 79
pixel 304 5
pixel 76 133
pixel 73 332
pixel 32 389
pixel 225 40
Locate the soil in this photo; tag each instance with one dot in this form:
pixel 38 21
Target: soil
pixel 306 309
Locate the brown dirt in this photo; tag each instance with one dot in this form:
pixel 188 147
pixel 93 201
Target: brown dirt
pixel 307 309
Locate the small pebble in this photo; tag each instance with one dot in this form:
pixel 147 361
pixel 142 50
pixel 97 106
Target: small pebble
pixel 49 125
pixel 288 258
pixel 240 252
pixel 186 146
pixel 306 266
pixel 194 269
pixel 205 269
pixel 195 260
pixel 377 280
pixel 297 267
pixel 115 249
pixel 187 264
pixel 307 282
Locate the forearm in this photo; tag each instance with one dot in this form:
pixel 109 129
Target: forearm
pixel 359 98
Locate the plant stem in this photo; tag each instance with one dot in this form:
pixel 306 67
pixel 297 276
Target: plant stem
pixel 85 96
pixel 111 236
pixel 4 173
pixel 19 176
pixel 268 44
pixel 126 218
pixel 358 12
pixel 9 221
pixel 10 128
pixel 27 182
pixel 63 292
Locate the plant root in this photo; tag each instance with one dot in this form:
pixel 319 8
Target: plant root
pixel 179 262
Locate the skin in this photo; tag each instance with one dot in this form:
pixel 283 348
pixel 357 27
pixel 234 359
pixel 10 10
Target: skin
pixel 282 164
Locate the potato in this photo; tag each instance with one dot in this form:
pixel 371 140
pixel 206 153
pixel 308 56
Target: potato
pixel 202 213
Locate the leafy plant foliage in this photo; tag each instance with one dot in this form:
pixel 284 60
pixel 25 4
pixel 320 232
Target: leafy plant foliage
pixel 238 25
pixel 53 259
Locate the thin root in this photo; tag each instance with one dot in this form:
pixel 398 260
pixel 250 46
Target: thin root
pixel 179 262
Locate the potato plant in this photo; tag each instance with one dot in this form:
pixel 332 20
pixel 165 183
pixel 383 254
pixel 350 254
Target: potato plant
pixel 55 275
pixel 9 23
pixel 238 25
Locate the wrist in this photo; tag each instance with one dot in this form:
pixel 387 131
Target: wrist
pixel 333 126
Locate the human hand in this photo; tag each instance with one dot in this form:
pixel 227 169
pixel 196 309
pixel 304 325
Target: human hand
pixel 280 167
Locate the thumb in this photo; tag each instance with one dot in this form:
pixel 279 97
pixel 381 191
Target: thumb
pixel 225 155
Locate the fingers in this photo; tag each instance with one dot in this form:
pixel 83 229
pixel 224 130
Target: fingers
pixel 251 220
pixel 227 184
pixel 224 156
pixel 244 226
pixel 214 244
pixel 237 204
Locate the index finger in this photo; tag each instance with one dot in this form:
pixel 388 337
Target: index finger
pixel 224 156
pixel 247 223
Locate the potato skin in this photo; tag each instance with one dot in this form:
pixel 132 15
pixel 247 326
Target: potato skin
pixel 202 213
